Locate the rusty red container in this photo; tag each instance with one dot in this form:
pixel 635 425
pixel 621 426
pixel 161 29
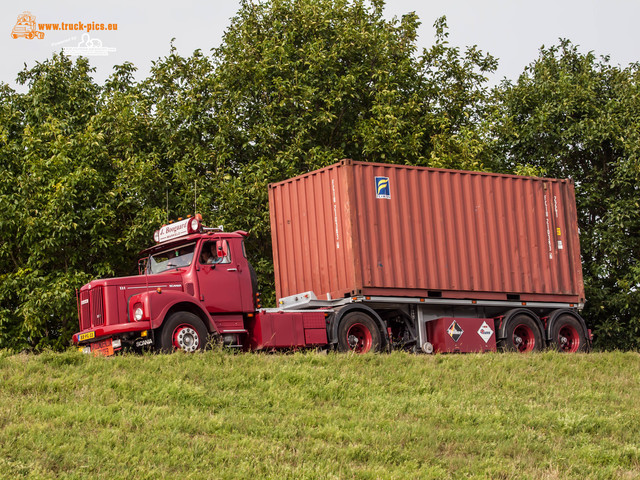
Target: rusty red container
pixel 357 228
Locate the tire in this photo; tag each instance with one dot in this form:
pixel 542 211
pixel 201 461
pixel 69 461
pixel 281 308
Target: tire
pixel 183 331
pixel 568 335
pixel 358 333
pixel 522 335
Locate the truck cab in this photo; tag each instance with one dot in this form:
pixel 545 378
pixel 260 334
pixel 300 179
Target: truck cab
pixel 194 282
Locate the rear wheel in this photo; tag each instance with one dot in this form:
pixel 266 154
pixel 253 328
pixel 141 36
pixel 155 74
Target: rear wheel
pixel 522 335
pixel 358 333
pixel 183 331
pixel 568 335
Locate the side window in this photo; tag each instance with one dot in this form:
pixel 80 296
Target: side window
pixel 215 251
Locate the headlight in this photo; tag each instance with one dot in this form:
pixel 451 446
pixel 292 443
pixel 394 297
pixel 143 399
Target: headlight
pixel 137 314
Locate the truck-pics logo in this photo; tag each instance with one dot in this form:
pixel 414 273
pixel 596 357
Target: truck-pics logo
pixel 382 187
pixel 26 27
pixel 455 331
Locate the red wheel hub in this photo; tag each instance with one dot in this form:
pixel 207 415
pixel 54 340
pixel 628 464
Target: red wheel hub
pixel 186 338
pixel 359 338
pixel 523 338
pixel 568 339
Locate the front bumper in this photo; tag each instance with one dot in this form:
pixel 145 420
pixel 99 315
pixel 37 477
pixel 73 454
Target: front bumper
pixel 109 340
pixel 91 335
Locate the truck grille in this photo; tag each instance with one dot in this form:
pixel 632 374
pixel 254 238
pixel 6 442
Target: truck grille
pixel 91 308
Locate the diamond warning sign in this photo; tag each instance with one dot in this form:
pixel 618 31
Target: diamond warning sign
pixel 455 331
pixel 485 332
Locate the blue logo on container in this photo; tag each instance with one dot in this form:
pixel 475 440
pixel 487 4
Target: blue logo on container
pixel 382 187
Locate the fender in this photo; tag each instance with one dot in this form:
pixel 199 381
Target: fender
pixel 355 307
pixel 501 330
pixel 553 317
pixel 156 305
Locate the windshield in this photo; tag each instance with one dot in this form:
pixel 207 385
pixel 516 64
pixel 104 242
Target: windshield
pixel 169 259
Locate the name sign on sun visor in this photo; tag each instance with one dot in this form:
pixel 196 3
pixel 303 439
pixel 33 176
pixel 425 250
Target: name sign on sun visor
pixel 176 230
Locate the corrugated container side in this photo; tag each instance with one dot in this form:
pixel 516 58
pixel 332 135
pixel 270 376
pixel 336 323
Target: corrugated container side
pixel 361 228
pixel 311 232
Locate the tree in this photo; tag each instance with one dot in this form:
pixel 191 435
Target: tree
pixel 573 115
pixel 296 85
pixel 301 84
pixel 40 190
pixel 74 196
pixel 457 105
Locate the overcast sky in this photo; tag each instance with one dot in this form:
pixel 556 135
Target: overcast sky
pixel 512 30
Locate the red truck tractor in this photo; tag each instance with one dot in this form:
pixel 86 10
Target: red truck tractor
pixel 196 284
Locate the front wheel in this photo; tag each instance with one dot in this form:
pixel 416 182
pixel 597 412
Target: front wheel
pixel 358 333
pixel 567 335
pixel 523 335
pixel 183 331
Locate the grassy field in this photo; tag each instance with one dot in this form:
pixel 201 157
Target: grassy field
pixel 220 415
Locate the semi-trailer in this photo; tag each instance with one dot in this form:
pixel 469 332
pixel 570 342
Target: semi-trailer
pixel 367 257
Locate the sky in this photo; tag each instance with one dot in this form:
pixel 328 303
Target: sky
pixel 141 31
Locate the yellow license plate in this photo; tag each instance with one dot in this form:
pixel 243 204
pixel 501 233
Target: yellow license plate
pixel 86 336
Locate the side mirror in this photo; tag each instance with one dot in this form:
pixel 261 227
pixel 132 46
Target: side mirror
pixel 142 266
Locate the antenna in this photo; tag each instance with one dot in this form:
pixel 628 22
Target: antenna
pixel 167 190
pixel 195 196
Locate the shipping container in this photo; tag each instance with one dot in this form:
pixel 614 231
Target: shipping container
pixel 357 228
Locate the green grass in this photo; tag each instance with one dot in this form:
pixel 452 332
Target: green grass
pixel 219 415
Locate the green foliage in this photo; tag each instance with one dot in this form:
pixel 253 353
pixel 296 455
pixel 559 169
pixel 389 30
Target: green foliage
pixel 86 170
pixel 457 104
pixel 296 85
pixel 302 84
pixel 573 115
pixel 398 416
pixel 74 197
